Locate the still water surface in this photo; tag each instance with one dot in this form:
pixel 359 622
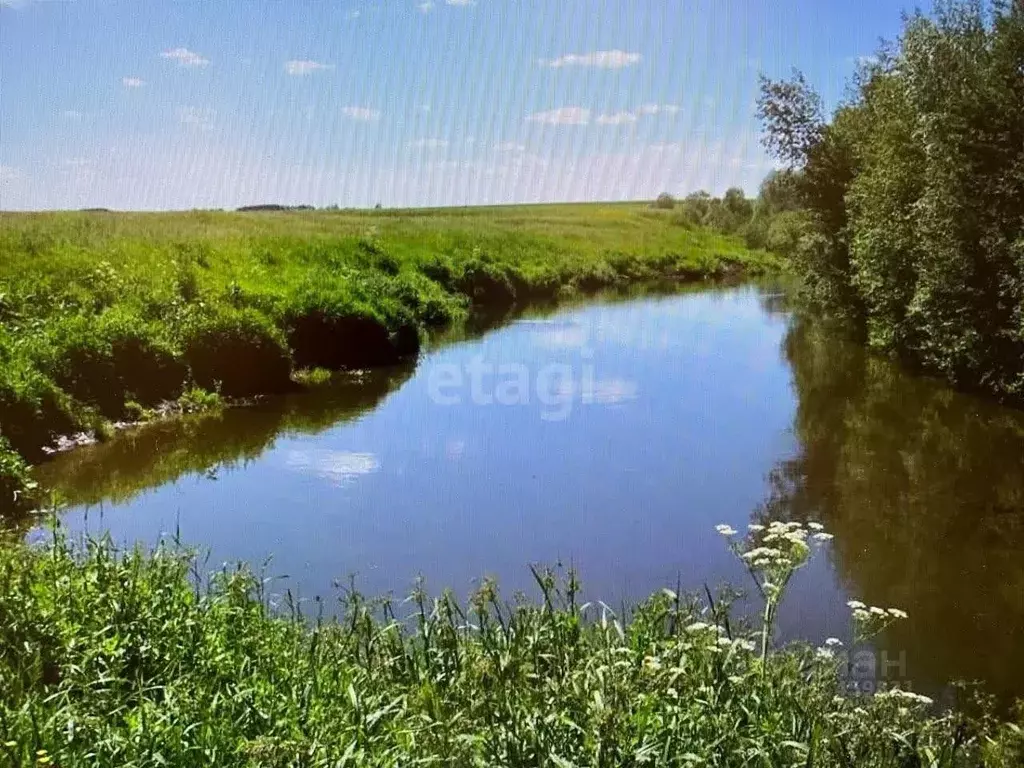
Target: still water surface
pixel 612 436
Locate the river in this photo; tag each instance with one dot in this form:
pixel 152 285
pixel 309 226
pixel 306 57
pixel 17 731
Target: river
pixel 612 437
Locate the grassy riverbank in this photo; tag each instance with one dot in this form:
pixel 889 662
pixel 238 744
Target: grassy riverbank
pixel 123 658
pixel 107 314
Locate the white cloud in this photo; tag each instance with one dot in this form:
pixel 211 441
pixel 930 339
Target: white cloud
pixel 305 67
pixel 614 59
pixel 425 7
pixel 196 117
pixel 366 114
pixel 71 114
pixel 183 57
pixel 9 174
pixel 658 109
pixel 132 82
pixel 562 116
pixel 618 118
pixel 428 144
pixel 337 467
pixel 560 336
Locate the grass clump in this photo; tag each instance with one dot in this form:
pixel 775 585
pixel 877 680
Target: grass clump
pixel 114 657
pixel 312 377
pixel 199 400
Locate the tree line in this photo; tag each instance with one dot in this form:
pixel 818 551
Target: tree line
pixel 912 194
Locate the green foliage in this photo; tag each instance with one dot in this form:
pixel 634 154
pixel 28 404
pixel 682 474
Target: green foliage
pixel 109 358
pixel 33 411
pixel 199 400
pixel 312 377
pixel 235 352
pixel 16 484
pixel 664 201
pixel 124 658
pixel 916 194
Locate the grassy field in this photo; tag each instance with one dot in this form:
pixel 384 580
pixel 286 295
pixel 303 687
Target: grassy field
pixel 114 658
pixel 105 315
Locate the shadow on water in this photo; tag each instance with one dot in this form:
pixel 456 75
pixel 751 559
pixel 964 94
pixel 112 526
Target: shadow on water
pixel 155 454
pixel 923 488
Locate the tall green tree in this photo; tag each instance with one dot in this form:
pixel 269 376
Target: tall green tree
pixel 915 190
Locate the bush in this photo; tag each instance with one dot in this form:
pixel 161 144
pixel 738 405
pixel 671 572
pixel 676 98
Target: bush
pixel 487 284
pixel 16 484
pixel 237 353
pixel 785 232
pixel 104 361
pixel 331 326
pixel 664 201
pixel 33 411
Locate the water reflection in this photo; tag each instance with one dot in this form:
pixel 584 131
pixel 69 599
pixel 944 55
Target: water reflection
pixel 924 490
pixel 161 453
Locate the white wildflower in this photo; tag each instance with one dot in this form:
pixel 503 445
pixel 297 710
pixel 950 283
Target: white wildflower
pixel 816 526
pixel 897 693
pixel 755 528
pixel 856 604
pixel 833 642
pixel 823 537
pixel 725 530
pixel 877 611
pixel 896 613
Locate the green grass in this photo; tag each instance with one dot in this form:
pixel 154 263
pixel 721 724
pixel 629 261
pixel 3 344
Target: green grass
pixel 120 658
pixel 106 315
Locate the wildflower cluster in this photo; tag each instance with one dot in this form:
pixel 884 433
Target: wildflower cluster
pixel 772 553
pixel 870 621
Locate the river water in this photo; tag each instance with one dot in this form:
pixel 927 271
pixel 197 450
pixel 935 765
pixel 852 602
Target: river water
pixel 612 437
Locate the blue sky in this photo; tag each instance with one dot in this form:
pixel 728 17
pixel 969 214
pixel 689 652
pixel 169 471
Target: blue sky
pixel 152 105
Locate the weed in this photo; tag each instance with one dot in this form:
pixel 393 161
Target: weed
pixel 112 657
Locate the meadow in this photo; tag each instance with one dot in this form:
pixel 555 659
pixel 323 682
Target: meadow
pixel 105 316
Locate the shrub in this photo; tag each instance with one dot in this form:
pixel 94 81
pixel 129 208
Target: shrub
pixel 785 232
pixel 664 201
pixel 16 484
pixel 441 270
pixel 486 283
pixel 33 410
pixel 104 361
pixel 236 353
pixel 199 400
pixel 329 326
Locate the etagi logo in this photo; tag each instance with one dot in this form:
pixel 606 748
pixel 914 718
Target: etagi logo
pixel 555 387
